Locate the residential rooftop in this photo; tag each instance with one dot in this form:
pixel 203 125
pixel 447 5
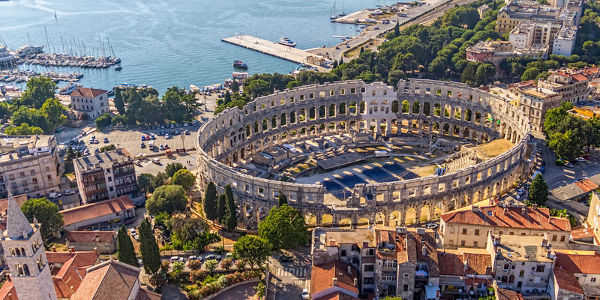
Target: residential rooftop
pixel 102 160
pixel 523 248
pixel 96 210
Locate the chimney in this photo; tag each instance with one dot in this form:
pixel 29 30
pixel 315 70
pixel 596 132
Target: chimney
pixel 334 281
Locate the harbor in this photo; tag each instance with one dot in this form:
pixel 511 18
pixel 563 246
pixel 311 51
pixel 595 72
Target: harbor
pixel 20 76
pixel 67 60
pixel 281 51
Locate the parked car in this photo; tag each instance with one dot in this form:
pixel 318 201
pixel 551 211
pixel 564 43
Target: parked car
pixel 305 295
pixel 284 258
pixel 143 145
pixel 174 259
pixel 213 256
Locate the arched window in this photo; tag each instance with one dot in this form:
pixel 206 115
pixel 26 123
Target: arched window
pixel 12 252
pixel 18 251
pixel 19 270
pixel 23 252
pixel 26 270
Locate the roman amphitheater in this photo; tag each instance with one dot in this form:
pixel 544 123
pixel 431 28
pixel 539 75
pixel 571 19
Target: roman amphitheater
pixel 350 153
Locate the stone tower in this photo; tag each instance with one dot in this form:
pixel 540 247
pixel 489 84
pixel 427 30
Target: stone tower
pixel 25 256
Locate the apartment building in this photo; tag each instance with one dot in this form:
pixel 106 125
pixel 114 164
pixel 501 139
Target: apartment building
pixel 521 263
pixel 469 228
pixel 572 85
pixel 105 175
pixel 29 165
pixel 465 271
pixel 88 103
pixel 334 280
pixel 576 276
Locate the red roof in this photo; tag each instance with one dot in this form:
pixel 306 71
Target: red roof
pixel 578 263
pixel 322 279
pixel 579 77
pixel 96 210
pixel 504 294
pixel 461 264
pixel 88 92
pixel 72 270
pixel 567 281
pixel 510 217
pixel 8 292
pixel 586 185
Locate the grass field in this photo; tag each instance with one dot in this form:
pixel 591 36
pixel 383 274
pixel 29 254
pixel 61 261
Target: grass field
pixel 494 148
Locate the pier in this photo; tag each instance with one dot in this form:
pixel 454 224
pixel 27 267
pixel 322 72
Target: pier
pixel 280 51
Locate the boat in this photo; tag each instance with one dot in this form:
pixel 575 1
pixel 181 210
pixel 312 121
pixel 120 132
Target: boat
pixel 67 90
pixel 118 68
pixel 287 42
pixel 238 64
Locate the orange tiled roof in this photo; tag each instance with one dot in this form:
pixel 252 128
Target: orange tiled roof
pixel 88 92
pixel 586 185
pixel 579 263
pixel 567 281
pixel 8 292
pixel 73 267
pixel 454 263
pixel 111 280
pixel 510 217
pixel 95 210
pixel 322 278
pixel 579 77
pixel 581 233
pixel 4 202
pixel 90 236
pixel 504 294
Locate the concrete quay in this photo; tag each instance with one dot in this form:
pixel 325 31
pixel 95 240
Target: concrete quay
pixel 277 50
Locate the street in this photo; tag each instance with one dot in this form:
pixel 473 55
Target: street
pixel 288 279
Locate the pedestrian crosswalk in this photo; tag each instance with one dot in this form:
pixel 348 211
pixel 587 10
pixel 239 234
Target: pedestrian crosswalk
pixel 289 271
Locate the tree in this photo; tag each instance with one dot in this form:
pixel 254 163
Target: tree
pixel 282 199
pixel 167 198
pixel 149 248
pixel 46 213
pixel 252 249
pixel 145 182
pixel 221 208
pixel 231 213
pixel 538 191
pixel 55 114
pixel 39 89
pixel 485 73
pixel 23 129
pixel 530 74
pixel 171 168
pixel 103 121
pixel 184 178
pixel 284 227
pixel 210 201
pixel 125 246
pixel 211 265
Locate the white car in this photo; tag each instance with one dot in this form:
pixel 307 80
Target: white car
pixel 580 159
pixel 174 258
pixel 305 295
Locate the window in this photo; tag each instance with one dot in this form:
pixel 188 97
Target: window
pixel 554 238
pixel 593 279
pixel 540 268
pixel 521 273
pixel 369 268
pixel 475 244
pixel 462 243
pixel 464 231
pixel 405 288
pixel 562 238
pixel 343 253
pixel 506 266
pixel 476 231
pixel 371 252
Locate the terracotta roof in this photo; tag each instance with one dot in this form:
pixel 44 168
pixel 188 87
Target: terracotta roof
pixel 91 236
pixel 504 294
pixel 322 279
pixel 567 281
pixel 8 292
pixel 95 210
pixel 510 217
pixel 88 92
pixel 582 234
pixel 111 280
pixel 453 263
pixel 578 263
pixel 68 269
pixel 144 294
pixel 579 77
pixel 586 185
pixel 4 202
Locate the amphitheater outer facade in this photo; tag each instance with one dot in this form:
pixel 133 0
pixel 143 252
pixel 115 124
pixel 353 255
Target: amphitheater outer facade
pixel 417 106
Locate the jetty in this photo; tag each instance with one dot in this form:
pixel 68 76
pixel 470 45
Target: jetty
pixel 284 52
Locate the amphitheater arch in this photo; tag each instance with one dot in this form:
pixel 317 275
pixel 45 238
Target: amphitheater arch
pixel 395 106
pixel 405 106
pixel 395 218
pixel 343 222
pixel 410 216
pixel 426 108
pixel 326 220
pixel 310 219
pixel 416 107
pixel 424 215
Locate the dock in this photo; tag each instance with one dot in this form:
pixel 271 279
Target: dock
pixel 274 49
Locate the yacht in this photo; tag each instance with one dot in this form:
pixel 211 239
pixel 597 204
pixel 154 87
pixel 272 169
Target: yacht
pixel 238 64
pixel 287 42
pixel 5 56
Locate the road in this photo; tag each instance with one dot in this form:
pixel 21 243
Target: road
pixel 288 279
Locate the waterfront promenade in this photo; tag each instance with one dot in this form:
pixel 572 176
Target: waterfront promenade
pixel 277 50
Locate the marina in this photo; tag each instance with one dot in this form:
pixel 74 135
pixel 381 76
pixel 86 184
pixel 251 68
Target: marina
pixel 278 50
pixel 67 60
pixel 20 76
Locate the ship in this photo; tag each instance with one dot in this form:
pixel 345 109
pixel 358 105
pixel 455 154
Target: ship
pixel 5 57
pixel 287 42
pixel 238 64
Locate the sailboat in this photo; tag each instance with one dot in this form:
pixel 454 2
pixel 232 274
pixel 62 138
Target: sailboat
pixel 343 14
pixel 333 16
pixel 55 17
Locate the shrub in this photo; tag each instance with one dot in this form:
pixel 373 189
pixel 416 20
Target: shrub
pixel 198 275
pixel 227 263
pixel 195 264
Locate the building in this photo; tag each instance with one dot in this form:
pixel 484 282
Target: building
pixel 497 51
pixel 88 103
pixel 521 263
pixel 564 42
pixel 26 258
pixel 469 228
pixel 68 270
pixel 334 280
pixel 535 37
pixel 515 12
pixel 576 276
pixel 105 175
pixel 29 165
pixel 534 101
pixel 352 247
pixel 102 214
pixel 593 217
pixel 465 272
pixel 112 280
pixel 572 85
pixel 105 242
